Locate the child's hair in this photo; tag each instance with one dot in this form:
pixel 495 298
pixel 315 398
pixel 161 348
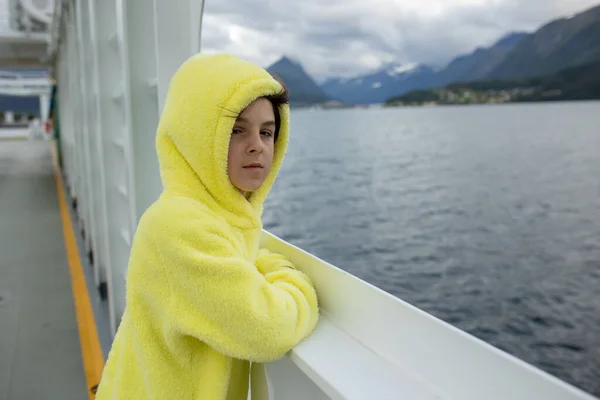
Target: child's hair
pixel 276 100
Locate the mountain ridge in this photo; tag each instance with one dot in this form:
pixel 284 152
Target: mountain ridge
pixel 378 85
pixel 556 45
pixel 575 83
pixel 303 89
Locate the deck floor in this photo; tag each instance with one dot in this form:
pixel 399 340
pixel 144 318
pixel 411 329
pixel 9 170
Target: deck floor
pixel 40 353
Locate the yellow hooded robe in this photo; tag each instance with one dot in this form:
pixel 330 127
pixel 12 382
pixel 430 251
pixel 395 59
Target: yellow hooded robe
pixel 202 300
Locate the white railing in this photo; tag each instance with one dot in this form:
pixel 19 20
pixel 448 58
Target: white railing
pixel 114 62
pixel 109 102
pixel 371 345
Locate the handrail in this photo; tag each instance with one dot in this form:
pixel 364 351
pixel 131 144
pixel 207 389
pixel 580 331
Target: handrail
pixel 344 368
pixel 369 341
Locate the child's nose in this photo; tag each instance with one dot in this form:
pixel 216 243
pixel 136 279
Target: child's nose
pixel 255 142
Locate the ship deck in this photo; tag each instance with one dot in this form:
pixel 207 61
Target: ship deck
pixel 42 354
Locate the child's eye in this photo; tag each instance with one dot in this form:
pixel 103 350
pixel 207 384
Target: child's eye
pixel 235 131
pixel 267 133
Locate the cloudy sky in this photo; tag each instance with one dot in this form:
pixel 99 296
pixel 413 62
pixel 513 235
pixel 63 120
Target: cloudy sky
pixel 4 15
pixel 348 37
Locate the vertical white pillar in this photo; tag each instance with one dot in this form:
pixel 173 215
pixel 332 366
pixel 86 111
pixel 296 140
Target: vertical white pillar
pixel 44 106
pixel 102 252
pixel 140 58
pixel 117 59
pixel 115 148
pixel 84 126
pixel 177 38
pixel 76 119
pixel 66 107
pixel 175 28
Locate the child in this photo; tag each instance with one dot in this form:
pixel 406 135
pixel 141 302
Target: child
pixel 202 300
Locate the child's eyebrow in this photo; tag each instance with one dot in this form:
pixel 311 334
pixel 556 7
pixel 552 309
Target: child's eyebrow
pixel 243 119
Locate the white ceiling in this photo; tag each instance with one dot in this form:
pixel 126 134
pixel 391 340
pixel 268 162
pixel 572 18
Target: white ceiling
pixel 15 49
pixel 4 16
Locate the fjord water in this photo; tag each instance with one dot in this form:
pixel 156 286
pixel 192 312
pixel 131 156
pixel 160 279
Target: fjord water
pixel 488 217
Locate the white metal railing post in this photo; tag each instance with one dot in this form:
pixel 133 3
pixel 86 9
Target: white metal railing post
pixel 125 103
pixel 84 127
pixel 116 150
pixel 178 27
pixel 66 107
pixel 83 90
pixel 140 58
pixel 44 105
pixel 175 27
pixel 75 101
pixel 62 89
pixel 102 264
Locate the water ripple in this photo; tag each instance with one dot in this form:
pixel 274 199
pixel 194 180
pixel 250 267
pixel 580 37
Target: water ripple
pixel 486 217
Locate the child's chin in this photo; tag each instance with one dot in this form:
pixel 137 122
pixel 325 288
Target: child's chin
pixel 252 186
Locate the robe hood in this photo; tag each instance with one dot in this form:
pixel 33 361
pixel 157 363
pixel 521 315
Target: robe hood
pixel 205 96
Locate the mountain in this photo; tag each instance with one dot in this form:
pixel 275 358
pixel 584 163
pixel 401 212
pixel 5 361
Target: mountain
pixel 303 90
pixel 511 39
pixel 396 79
pixel 575 83
pixel 560 44
pixel 377 86
pixel 480 63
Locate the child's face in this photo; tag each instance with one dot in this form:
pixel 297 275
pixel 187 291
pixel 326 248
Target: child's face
pixel 252 142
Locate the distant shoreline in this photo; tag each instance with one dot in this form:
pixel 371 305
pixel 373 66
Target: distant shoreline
pixel 576 83
pixel 316 107
pixel 538 101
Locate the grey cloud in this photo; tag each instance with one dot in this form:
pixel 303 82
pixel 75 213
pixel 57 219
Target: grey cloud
pixel 213 33
pixel 347 37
